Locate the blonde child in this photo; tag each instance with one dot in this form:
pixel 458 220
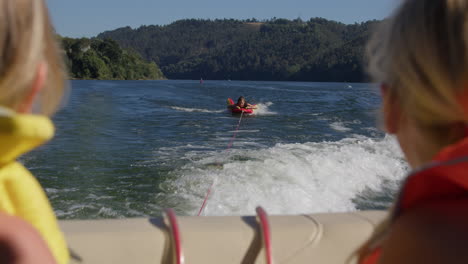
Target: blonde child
pixel 32 79
pixel 420 58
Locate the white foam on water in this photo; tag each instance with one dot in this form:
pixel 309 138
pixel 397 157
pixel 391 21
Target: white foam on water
pixel 168 153
pixel 263 109
pixel 252 143
pixel 289 178
pixel 339 126
pixel 199 110
pixel 53 193
pixel 107 212
pixel 244 131
pixel 99 197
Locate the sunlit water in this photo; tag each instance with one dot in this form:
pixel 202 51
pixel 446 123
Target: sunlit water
pixel 132 148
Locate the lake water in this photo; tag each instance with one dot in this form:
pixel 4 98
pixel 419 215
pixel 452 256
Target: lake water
pixel 132 148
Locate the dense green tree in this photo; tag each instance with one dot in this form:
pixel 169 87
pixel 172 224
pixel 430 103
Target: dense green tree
pixel 105 60
pixel 274 49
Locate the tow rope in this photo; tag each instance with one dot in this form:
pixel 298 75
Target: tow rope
pixel 214 181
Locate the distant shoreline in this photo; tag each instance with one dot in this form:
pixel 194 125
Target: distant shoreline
pixel 75 79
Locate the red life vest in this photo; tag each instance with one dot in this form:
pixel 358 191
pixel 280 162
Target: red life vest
pixel 446 178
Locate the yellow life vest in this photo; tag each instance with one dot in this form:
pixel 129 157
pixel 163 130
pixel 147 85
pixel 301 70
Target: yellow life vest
pixel 20 193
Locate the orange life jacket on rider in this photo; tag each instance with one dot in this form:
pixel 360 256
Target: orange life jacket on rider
pixel 446 178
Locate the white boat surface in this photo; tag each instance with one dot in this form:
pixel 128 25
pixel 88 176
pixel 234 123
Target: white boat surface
pixel 324 238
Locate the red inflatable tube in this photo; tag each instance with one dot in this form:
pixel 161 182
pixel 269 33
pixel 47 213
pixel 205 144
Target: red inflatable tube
pixel 232 107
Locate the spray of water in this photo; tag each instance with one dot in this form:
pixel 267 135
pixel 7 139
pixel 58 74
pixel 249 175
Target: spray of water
pixel 263 109
pixel 290 178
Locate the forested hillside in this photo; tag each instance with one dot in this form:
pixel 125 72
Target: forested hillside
pixel 276 49
pixel 105 60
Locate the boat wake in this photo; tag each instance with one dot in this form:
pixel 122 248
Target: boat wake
pixel 289 178
pixel 185 109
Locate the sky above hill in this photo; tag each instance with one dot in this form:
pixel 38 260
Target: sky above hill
pixel 87 18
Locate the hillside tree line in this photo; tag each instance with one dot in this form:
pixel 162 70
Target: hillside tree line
pixel 274 49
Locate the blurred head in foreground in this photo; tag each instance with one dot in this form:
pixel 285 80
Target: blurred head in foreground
pixel 419 56
pixel 31 67
pixel 32 79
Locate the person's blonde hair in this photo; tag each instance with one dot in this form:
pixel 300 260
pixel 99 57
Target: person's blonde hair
pixel 421 54
pixel 27 40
